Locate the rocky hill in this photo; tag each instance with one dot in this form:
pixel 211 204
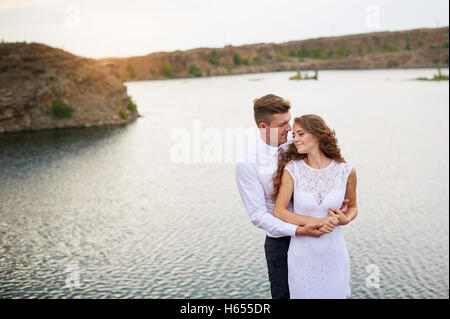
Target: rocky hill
pixel 42 88
pixel 404 49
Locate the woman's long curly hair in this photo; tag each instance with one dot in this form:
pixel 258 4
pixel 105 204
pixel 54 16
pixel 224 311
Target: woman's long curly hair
pixel 328 144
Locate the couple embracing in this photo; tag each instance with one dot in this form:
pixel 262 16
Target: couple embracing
pixel 300 191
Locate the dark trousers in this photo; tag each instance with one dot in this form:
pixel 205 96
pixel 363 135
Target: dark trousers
pixel 276 255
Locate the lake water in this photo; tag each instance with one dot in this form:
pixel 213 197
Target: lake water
pixel 151 209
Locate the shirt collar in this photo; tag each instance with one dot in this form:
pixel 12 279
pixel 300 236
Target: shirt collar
pixel 273 150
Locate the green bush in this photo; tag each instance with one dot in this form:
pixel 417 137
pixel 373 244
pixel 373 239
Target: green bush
pixel 123 114
pixel 421 39
pixel 299 76
pixel 154 71
pixel 370 49
pixel 285 53
pixel 362 51
pixel 320 53
pixel 437 77
pixel 343 50
pixel 167 69
pixel 407 45
pixel 195 71
pixel 61 110
pixel 303 52
pixel 255 61
pixel 315 53
pixel 131 73
pixel 237 59
pixel 296 77
pixel 131 104
pixel 389 47
pixel 213 60
pixel 278 57
pixel 208 72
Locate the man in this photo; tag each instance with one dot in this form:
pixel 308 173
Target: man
pixel 254 172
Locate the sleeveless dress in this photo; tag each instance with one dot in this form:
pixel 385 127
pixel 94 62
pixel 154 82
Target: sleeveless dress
pixel 318 268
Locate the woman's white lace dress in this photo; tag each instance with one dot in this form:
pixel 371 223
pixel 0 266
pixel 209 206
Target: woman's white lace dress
pixel 318 267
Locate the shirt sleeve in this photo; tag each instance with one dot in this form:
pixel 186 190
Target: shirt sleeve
pixel 252 194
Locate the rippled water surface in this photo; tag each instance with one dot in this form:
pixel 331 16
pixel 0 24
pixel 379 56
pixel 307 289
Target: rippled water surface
pixel 141 211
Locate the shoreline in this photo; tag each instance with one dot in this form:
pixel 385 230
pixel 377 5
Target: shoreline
pixel 303 70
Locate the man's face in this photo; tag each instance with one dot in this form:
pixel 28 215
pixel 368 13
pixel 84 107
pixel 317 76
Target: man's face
pixel 278 129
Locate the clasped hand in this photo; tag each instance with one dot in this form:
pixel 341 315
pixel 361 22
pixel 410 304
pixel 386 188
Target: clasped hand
pixel 326 225
pixel 335 217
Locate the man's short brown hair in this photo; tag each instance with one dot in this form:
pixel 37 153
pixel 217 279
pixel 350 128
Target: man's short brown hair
pixel 264 108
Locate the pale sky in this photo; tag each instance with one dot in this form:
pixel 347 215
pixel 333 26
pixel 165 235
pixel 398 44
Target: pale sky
pixel 105 28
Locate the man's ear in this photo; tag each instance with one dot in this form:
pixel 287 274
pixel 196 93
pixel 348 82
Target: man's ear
pixel 262 125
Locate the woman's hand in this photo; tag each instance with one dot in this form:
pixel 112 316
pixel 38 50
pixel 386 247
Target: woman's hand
pixel 329 223
pixel 339 214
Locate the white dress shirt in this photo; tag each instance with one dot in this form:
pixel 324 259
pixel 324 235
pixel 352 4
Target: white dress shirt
pixel 254 173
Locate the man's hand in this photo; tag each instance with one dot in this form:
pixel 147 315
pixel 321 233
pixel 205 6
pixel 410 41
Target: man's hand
pixel 335 217
pixel 309 230
pixel 345 205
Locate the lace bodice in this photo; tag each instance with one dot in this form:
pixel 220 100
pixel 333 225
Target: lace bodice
pixel 319 182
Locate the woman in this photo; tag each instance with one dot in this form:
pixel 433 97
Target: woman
pixel 313 171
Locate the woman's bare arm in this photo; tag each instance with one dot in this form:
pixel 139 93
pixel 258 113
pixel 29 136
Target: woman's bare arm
pixel 352 210
pixel 284 196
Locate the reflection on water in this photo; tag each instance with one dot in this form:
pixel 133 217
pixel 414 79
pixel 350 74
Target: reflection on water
pixel 106 212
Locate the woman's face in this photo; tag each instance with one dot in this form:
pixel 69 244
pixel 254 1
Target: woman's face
pixel 304 141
